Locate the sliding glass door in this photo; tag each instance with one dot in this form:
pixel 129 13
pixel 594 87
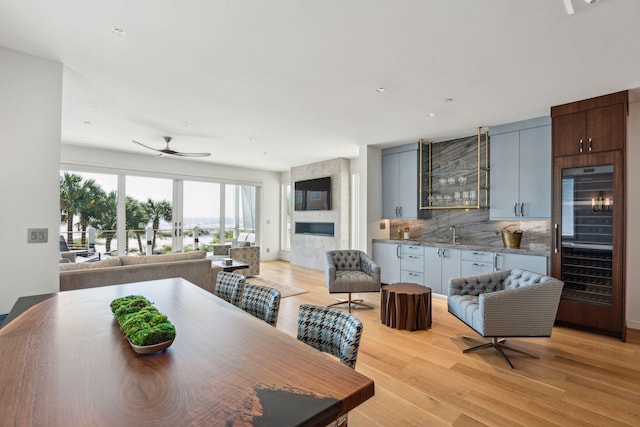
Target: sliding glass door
pixel 200 214
pixel 157 215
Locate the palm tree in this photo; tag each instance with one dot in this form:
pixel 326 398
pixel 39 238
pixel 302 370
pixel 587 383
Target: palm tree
pixel 89 207
pixel 157 211
pixel 106 218
pixel 136 218
pixel 70 200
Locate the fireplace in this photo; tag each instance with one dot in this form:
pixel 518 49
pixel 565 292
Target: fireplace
pixel 315 228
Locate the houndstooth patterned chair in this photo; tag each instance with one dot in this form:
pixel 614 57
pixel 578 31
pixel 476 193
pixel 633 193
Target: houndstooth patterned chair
pixel 509 303
pixel 229 287
pixel 330 331
pixel 348 271
pixel 262 302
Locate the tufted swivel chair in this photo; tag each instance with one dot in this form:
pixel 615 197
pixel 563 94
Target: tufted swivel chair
pixel 509 303
pixel 348 271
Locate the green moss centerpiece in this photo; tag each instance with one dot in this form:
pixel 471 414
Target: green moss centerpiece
pixel 142 324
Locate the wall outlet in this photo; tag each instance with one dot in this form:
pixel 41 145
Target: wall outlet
pixel 37 235
pixel 382 226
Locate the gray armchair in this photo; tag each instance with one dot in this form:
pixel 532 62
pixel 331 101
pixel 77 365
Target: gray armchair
pixel 348 271
pixel 509 303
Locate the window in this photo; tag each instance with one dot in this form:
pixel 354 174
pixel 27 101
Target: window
pixel 88 210
pixel 201 209
pixel 355 211
pixel 159 214
pixel 285 240
pixel 149 203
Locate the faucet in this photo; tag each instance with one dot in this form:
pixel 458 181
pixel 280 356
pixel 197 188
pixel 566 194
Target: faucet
pixel 454 236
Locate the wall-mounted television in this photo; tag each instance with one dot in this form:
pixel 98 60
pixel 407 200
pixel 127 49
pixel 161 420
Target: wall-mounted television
pixel 313 194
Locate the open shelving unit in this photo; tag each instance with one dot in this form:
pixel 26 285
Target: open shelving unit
pixel 455 174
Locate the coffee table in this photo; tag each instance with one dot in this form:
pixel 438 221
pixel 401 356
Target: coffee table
pixel 235 265
pixel 406 306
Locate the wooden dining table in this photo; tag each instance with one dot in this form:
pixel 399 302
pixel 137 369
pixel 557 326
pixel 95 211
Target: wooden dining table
pixel 64 361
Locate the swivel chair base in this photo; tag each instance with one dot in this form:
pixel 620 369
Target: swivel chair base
pixel 350 302
pixel 499 345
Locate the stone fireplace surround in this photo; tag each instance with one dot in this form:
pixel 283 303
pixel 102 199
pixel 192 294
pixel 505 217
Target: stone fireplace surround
pixel 308 249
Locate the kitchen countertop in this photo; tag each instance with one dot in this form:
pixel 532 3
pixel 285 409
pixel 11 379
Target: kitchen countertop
pixel 466 246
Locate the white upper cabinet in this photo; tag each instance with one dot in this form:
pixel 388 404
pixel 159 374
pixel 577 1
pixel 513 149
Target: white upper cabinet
pixel 400 182
pixel 520 164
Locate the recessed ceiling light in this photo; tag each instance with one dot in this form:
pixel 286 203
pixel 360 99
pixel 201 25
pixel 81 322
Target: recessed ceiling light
pixel 448 100
pixel 93 106
pixel 431 115
pixel 87 122
pixel 381 90
pixel 118 32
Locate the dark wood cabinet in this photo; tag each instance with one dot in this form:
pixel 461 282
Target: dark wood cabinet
pixel 588 213
pixel 590 126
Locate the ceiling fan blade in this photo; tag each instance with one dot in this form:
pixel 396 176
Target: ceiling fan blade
pixel 192 154
pixel 146 146
pixel 170 152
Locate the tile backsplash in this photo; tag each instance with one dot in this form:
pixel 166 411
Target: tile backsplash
pixel 473 227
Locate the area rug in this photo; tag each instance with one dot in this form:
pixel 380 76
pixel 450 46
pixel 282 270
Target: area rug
pixel 285 290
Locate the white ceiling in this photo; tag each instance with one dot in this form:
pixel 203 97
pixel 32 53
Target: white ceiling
pixel 281 83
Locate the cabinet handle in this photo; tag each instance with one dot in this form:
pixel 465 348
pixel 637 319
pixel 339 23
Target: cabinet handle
pixel 495 262
pixel 581 145
pixel 556 237
pixel 515 209
pixel 521 209
pixel 590 144
pixel 397 251
pixel 400 210
pixel 444 253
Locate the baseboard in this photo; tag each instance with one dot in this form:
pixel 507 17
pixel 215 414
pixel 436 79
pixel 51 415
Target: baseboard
pixel 633 336
pixel 633 324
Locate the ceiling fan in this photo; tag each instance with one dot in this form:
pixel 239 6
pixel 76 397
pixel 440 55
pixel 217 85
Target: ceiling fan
pixel 171 152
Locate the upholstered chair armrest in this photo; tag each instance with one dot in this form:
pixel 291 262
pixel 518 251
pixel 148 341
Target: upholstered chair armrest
pixel 329 270
pixel 524 311
pixel 476 285
pixel 369 267
pixel 71 256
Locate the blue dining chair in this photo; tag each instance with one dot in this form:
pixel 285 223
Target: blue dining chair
pixel 262 302
pixel 229 287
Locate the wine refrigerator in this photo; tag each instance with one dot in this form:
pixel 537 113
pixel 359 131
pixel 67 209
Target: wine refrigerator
pixel 588 234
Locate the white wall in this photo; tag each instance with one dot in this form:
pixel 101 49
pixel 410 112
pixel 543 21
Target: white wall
pixel 78 158
pixel 371 207
pixel 30 117
pixel 632 224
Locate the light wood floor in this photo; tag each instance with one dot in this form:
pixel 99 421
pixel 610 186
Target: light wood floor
pixel 422 378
